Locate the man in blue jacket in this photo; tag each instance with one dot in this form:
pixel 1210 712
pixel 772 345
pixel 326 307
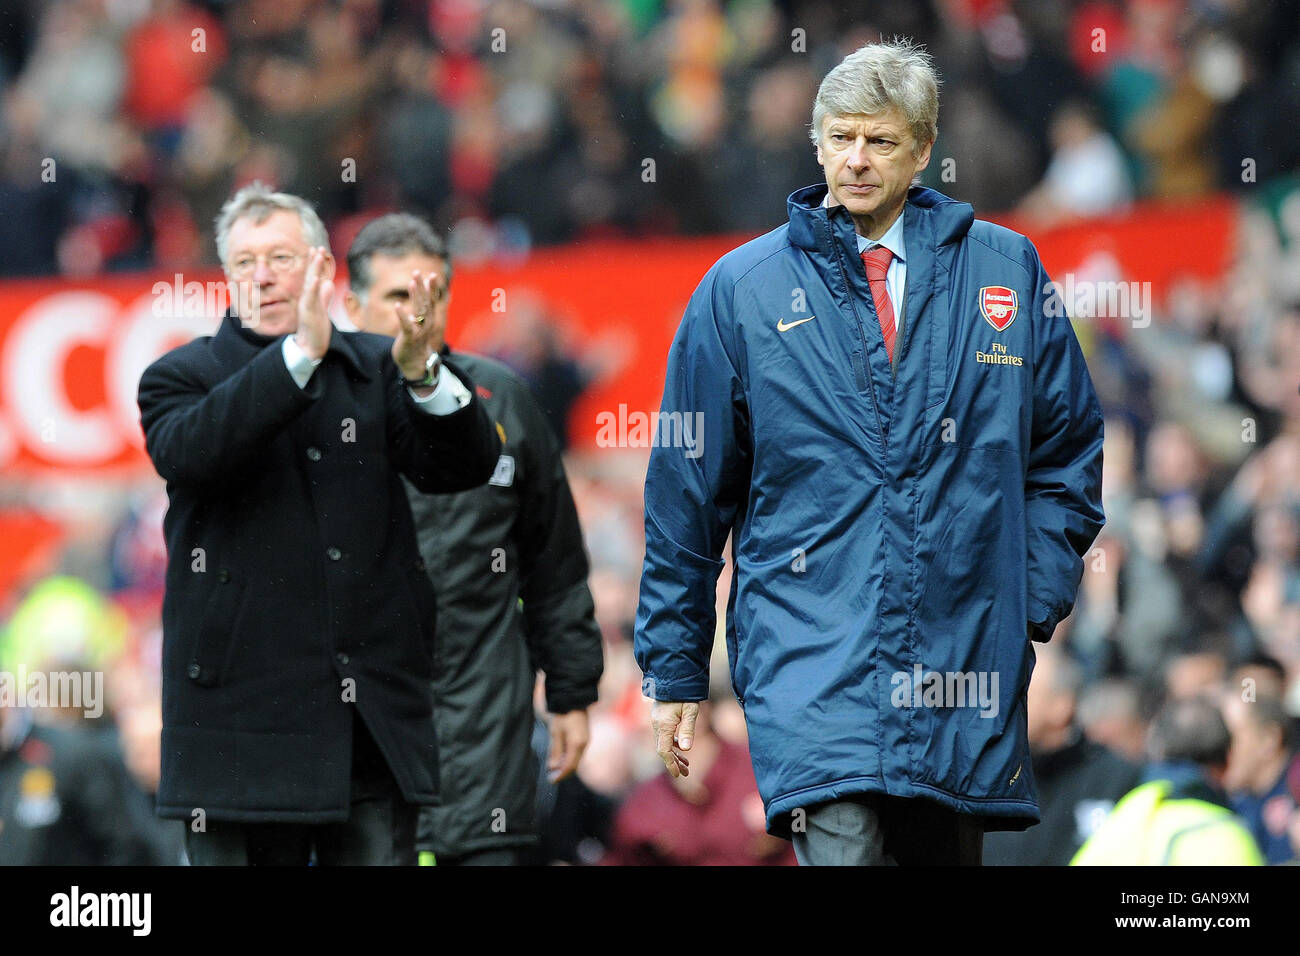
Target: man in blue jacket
pixel 896 427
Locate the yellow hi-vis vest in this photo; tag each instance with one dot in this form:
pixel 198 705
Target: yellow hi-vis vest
pixel 1146 829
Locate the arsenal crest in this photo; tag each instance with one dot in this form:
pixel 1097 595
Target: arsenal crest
pixel 998 303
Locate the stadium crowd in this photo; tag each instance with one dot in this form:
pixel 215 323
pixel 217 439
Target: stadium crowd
pixel 1193 588
pixel 127 122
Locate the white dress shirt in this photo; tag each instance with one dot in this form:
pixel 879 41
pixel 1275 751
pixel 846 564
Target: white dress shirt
pixel 896 277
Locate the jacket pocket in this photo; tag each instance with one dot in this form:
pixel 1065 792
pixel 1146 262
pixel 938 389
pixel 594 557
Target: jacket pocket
pixel 859 371
pixel 733 652
pixel 214 632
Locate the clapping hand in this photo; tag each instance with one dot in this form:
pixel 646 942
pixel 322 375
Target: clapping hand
pixel 421 328
pixel 314 327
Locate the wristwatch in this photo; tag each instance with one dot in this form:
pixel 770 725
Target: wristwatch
pixel 430 373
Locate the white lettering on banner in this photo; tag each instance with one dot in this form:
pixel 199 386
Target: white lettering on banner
pixel 38 347
pixel 33 373
pixel 144 337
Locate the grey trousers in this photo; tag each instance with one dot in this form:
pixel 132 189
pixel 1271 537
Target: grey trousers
pixel 879 830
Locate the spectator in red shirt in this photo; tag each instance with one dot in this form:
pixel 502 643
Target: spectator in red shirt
pixel 170 55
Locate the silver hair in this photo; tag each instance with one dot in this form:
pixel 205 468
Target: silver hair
pixel 892 73
pixel 257 201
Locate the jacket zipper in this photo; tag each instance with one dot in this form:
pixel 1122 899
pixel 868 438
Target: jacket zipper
pixel 884 434
pixel 848 289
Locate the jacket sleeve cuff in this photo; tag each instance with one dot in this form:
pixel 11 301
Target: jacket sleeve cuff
pixel 296 361
pixel 562 702
pixel 1042 621
pixel 449 395
pixel 690 689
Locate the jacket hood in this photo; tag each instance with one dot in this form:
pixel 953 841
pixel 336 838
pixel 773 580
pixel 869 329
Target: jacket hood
pixel 949 219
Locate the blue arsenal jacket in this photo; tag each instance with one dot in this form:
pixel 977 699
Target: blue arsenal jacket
pixel 900 530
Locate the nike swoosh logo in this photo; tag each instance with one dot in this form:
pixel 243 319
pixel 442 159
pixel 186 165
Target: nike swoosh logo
pixel 782 326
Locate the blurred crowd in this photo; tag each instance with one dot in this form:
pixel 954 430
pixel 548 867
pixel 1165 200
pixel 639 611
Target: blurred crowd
pixel 1192 591
pixel 125 123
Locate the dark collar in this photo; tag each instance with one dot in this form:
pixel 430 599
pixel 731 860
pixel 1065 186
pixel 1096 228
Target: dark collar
pixel 1070 752
pixel 236 343
pixel 1186 780
pixel 932 219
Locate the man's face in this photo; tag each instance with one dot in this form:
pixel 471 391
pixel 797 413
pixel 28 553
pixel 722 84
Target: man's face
pixel 869 165
pixel 1252 748
pixel 389 279
pixel 265 267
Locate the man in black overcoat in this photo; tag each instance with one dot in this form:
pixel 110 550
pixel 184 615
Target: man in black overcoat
pixel 298 620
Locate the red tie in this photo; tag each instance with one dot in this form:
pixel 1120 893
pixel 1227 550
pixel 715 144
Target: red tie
pixel 877 262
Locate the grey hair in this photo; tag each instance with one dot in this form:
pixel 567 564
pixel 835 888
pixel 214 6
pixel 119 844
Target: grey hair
pixel 1191 730
pixel 396 234
pixel 257 201
pixel 892 73
pixel 1067 675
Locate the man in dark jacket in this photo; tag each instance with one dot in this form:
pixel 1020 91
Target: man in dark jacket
pixel 508 562
pixel 1079 782
pixel 65 797
pixel 298 620
pixel 1259 763
pixel 894 423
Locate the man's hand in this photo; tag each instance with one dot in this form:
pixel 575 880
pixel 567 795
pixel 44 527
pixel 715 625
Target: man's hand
pixel 569 736
pixel 420 332
pixel 673 723
pixel 314 328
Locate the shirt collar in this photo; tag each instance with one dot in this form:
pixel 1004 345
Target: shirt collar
pixel 233 331
pixel 891 240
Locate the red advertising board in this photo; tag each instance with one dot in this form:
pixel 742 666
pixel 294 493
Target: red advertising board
pixel 71 352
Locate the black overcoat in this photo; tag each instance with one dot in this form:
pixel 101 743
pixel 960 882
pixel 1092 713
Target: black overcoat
pixel 295 589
